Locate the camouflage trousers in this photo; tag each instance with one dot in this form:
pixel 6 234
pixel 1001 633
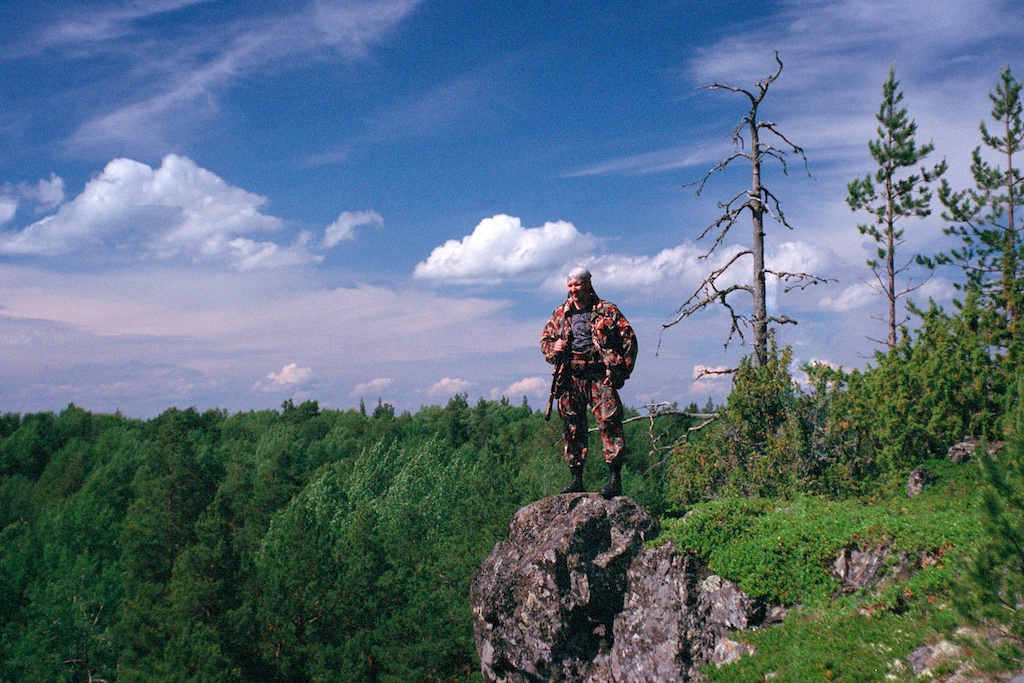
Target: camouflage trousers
pixel 579 392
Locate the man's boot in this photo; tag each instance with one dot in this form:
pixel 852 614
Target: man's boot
pixel 614 486
pixel 576 485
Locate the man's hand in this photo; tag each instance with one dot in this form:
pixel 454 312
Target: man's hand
pixel 559 346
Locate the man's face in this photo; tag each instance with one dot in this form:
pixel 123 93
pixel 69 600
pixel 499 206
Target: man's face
pixel 578 291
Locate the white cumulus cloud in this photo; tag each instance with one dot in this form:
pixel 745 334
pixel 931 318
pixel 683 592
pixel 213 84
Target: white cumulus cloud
pixel 529 386
pixel 449 386
pixel 175 210
pixel 500 248
pixel 344 228
pixel 48 193
pixel 702 371
pixel 668 265
pixel 291 375
pixel 796 257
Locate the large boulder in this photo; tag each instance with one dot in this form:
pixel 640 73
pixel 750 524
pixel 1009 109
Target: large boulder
pixel 573 595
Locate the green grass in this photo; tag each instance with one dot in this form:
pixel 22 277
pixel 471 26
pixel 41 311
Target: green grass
pixel 783 551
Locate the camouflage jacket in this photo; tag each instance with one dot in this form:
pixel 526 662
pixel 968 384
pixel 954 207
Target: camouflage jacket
pixel 614 340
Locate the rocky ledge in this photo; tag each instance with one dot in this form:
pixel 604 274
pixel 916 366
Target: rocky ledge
pixel 574 596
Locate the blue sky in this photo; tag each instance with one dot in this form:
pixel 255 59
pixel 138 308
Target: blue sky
pixel 225 205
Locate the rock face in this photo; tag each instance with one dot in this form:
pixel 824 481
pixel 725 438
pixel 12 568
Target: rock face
pixel 573 596
pixel 858 569
pixel 874 567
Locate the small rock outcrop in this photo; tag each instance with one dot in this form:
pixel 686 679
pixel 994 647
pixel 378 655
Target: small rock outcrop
pixel 920 478
pixel 858 569
pixel 574 596
pixel 964 450
pixel 927 657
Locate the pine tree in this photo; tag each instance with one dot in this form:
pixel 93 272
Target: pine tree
pixel 984 218
pixel 897 195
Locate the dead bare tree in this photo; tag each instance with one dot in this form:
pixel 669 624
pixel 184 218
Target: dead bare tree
pixel 765 142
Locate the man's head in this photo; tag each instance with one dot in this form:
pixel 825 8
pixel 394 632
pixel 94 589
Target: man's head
pixel 579 286
pixel 579 273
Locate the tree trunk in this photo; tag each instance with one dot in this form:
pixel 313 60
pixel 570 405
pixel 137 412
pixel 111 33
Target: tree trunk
pixel 890 259
pixel 1011 278
pixel 760 317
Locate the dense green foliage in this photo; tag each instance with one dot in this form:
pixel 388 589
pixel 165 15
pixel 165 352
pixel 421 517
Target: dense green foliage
pixel 996 570
pixel 791 475
pixel 849 433
pixel 313 545
pixel 292 545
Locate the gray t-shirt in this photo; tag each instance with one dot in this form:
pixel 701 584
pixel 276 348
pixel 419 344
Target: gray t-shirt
pixel 582 331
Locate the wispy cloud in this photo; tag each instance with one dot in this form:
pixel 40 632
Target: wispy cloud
pixel 176 79
pixel 826 44
pixel 106 23
pixel 655 162
pixel 374 385
pixel 839 52
pixel 436 109
pixel 344 228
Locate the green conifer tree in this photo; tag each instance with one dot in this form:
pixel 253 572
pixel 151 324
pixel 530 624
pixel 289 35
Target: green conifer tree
pixel 985 219
pixel 897 195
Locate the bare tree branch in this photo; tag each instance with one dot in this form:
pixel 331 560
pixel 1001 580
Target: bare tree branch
pixel 713 372
pixel 658 410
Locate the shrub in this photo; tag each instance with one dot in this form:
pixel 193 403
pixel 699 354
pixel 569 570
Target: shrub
pixel 752 449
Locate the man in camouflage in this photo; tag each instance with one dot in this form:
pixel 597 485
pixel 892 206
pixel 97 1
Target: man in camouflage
pixel 598 346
